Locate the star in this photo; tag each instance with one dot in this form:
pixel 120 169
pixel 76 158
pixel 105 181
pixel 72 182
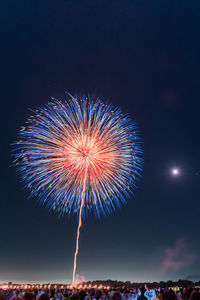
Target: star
pixel 175 172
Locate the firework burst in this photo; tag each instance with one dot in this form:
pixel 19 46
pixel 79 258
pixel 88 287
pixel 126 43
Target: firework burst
pixel 79 155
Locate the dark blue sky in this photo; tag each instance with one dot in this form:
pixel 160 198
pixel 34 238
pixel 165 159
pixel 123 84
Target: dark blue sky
pixel 144 56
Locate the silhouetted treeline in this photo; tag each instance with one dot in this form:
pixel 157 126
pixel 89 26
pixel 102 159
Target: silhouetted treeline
pixel 161 284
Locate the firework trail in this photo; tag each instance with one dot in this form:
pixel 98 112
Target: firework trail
pixel 78 229
pixel 77 241
pixel 78 156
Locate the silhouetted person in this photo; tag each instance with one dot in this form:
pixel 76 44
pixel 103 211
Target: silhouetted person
pixel 28 296
pixel 74 297
pixel 16 297
pixel 98 294
pixel 168 295
pixel 186 293
pixel 44 297
pixel 82 295
pixel 116 296
pixel 58 295
pixel 142 296
pixel 195 295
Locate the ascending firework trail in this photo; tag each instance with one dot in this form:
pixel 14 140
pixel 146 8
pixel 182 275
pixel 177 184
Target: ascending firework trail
pixel 79 155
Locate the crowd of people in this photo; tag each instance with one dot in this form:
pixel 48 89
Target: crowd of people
pixel 101 294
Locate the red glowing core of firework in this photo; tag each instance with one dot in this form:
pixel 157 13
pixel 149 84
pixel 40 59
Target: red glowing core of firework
pixel 89 153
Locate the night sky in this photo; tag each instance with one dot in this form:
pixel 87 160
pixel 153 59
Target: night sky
pixel 144 56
